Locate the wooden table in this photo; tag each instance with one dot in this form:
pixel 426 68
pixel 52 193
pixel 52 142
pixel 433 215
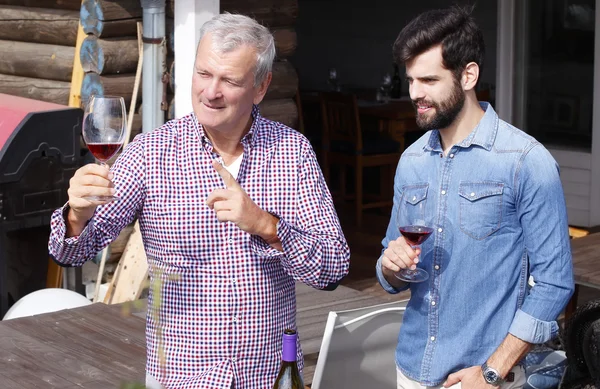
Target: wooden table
pixel 97 347
pixel 396 117
pixel 586 266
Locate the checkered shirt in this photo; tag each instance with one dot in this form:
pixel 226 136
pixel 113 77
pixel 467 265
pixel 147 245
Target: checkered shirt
pixel 225 295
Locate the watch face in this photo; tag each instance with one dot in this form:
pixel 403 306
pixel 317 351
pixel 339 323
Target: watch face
pixel 490 376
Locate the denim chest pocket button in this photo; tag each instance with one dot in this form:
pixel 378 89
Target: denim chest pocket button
pixel 480 208
pixel 415 194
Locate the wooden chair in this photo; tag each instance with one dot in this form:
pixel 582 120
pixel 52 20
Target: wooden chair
pixel 345 146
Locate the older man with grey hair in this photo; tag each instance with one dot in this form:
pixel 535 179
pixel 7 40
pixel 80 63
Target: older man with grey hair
pixel 233 209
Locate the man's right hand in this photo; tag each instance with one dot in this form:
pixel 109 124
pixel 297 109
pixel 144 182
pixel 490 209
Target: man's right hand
pixel 89 180
pixel 398 255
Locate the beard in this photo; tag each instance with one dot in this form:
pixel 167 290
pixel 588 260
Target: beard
pixel 445 111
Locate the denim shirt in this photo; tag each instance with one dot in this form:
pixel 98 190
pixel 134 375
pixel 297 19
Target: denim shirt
pixel 497 207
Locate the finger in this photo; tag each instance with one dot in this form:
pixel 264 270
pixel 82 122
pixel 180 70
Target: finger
pixel 94 180
pixel 218 195
pixel 453 379
pixel 225 216
pixel 389 264
pixel 230 182
pixel 93 168
pixel 88 191
pixel 222 205
pixel 407 257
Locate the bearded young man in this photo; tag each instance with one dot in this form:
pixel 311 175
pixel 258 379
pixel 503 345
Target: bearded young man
pixel 494 199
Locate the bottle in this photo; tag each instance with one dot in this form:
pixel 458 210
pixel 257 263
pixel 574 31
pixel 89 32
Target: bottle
pixel 396 83
pixel 289 376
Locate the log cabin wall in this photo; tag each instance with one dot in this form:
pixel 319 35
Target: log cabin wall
pixel 279 16
pixel 37 48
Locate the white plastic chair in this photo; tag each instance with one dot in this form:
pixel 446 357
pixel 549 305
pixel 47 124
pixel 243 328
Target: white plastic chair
pixel 358 348
pixel 44 301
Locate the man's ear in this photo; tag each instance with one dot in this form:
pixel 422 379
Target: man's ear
pixel 261 90
pixel 470 76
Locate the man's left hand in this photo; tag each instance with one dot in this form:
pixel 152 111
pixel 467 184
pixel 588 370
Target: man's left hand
pixel 233 204
pixel 470 378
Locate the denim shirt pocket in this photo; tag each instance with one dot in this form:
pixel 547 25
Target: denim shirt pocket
pixel 414 194
pixel 480 208
pixel 413 204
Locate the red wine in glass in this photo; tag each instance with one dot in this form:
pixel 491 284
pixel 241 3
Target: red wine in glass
pixel 103 151
pixel 410 220
pixel 104 128
pixel 415 235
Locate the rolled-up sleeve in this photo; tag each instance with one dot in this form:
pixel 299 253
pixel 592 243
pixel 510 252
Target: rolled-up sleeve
pixel 543 216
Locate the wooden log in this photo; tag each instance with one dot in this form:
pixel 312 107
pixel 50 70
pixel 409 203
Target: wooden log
pixel 284 83
pixel 109 56
pixel 112 28
pixel 120 27
pixel 270 13
pixel 113 85
pixel 34 88
pixel 73 5
pixel 94 10
pixel 280 110
pixel 285 41
pixel 49 62
pixel 39 25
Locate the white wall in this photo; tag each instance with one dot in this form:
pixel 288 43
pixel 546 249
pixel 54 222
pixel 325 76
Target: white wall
pixel 190 15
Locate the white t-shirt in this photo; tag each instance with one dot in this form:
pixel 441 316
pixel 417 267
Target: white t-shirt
pixel 234 168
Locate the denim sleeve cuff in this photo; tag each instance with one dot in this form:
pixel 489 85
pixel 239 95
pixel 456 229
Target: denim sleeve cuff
pixel 386 285
pixel 532 330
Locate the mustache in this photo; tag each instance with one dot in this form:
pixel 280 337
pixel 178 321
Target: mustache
pixel 416 102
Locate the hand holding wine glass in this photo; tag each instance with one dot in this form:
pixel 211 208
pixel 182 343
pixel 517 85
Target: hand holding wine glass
pixel 104 129
pixel 410 220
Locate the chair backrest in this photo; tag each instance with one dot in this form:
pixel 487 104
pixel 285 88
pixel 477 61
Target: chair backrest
pixel 358 348
pixel 341 121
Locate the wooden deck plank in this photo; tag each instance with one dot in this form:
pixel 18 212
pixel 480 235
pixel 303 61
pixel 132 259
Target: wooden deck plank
pixel 96 347
pixel 76 338
pixel 34 359
pixel 586 260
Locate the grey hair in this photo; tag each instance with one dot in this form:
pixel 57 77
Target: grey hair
pixel 230 31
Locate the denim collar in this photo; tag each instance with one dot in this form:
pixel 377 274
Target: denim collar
pixel 484 134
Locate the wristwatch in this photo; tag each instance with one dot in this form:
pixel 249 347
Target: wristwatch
pixel 491 375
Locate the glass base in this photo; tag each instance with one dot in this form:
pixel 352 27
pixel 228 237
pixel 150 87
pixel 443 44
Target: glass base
pixel 407 275
pixel 104 199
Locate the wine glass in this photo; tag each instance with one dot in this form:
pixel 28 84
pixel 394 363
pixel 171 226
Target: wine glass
pixel 104 128
pixel 410 220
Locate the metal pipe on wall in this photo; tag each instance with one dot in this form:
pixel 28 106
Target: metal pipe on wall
pixel 154 45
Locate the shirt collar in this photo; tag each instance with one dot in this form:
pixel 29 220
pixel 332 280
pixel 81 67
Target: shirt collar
pixel 248 140
pixel 484 134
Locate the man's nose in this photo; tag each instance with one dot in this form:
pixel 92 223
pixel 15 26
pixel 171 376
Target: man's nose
pixel 416 91
pixel 213 90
